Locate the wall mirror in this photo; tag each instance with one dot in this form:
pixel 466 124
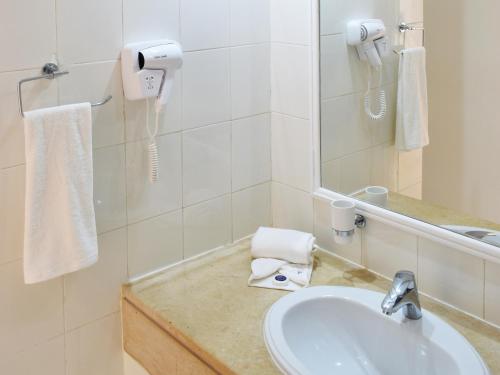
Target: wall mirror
pixel 409 114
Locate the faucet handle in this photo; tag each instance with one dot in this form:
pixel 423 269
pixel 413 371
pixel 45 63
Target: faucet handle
pixel 405 276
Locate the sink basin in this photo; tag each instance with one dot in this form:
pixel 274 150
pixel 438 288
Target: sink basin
pixel 340 330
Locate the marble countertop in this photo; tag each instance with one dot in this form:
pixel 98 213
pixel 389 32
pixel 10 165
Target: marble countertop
pixel 208 300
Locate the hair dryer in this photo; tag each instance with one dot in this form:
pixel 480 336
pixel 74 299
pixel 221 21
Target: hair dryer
pixel 166 58
pixel 368 36
pixel 363 34
pixel 148 70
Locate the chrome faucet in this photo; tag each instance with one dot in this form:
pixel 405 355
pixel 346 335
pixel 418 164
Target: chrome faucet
pixel 403 294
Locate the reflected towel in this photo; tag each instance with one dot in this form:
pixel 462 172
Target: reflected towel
pixel 286 244
pixel 60 230
pixel 412 111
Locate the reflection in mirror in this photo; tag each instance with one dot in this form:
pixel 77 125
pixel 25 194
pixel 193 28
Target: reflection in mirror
pixel 409 117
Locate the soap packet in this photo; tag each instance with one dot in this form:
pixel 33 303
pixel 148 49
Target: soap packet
pixel 279 274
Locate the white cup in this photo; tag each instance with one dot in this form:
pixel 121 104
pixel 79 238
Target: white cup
pixel 343 217
pixel 377 195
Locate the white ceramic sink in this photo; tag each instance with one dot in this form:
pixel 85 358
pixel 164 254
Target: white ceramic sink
pixel 338 330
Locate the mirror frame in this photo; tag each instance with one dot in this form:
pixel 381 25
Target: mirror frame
pixel 394 219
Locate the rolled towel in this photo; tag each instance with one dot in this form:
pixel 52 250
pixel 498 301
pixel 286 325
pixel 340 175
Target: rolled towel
pixel 290 245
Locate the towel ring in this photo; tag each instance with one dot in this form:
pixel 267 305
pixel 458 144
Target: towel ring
pixel 50 71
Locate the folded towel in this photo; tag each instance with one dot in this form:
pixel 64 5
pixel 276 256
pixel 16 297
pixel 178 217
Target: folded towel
pixel 412 111
pixel 60 230
pixel 290 245
pixel 279 274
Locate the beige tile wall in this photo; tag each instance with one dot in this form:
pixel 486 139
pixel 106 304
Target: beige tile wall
pixel 215 150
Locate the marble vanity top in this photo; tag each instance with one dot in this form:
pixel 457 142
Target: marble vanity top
pixel 208 300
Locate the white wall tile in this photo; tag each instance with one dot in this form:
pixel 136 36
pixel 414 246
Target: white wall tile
pixel 207 225
pixel 204 24
pixel 355 171
pixel 331 175
pixel 12 217
pixel 89 30
pixel 384 167
pixel 28 37
pixel 414 191
pixel 341 71
pixel 451 276
pixel 410 168
pixel 292 151
pixel 44 359
pixel 291 21
pixel 95 348
pixel 324 233
pixel 30 314
pixel 109 188
pixel 145 199
pixel 343 129
pixel 37 94
pixel 154 243
pixel 206 88
pixel 411 10
pixel 100 283
pixel 292 208
pixel 250 21
pixel 251 151
pixel 388 250
pixel 251 209
pixel 92 83
pixel 250 76
pixel 168 122
pixel 491 293
pixel 290 79
pixel 334 14
pixel 150 20
pixel 206 163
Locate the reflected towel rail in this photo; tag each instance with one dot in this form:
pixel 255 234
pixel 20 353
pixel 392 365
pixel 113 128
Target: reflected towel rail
pixel 411 26
pixel 50 71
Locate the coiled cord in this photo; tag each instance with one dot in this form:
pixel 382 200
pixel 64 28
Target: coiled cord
pixel 154 158
pixel 382 100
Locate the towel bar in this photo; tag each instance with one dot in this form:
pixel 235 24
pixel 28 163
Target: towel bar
pixel 50 71
pixel 404 27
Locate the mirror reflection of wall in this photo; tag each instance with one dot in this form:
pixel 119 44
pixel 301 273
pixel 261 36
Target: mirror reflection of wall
pixel 453 182
pixel 350 141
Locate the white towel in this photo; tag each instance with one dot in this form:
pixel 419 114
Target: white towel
pixel 290 245
pixel 291 276
pixel 60 230
pixel 412 111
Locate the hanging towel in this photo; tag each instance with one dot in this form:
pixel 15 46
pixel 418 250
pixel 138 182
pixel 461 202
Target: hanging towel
pixel 286 244
pixel 60 230
pixel 412 111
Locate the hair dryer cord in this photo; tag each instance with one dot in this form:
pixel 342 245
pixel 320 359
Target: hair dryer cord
pixel 381 97
pixel 154 159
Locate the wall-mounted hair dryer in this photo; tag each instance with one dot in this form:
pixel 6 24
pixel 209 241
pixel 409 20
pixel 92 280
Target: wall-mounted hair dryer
pixel 148 70
pixel 368 36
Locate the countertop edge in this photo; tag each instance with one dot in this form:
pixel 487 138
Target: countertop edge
pixel 184 340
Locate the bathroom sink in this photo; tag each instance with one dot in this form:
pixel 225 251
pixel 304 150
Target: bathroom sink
pixel 340 330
